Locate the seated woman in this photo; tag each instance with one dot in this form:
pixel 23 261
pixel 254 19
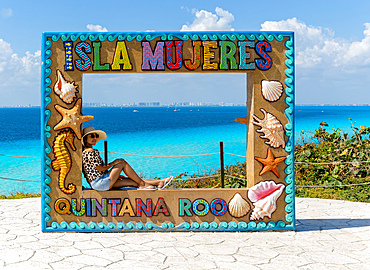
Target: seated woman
pixel 105 177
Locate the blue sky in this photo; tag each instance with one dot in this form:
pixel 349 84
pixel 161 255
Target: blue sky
pixel 332 47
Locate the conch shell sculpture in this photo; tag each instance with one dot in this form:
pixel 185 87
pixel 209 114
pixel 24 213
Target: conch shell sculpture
pixel 62 161
pixel 66 90
pixel 272 128
pixel 271 90
pixel 238 207
pixel 264 196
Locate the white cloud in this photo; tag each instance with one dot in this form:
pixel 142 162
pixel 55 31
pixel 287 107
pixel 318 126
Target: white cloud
pixel 13 66
pixel 357 52
pixel 185 7
pixel 20 76
pixel 6 12
pixel 330 69
pixel 207 21
pixel 318 46
pixel 96 28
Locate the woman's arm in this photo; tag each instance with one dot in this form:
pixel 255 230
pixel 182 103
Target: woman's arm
pixel 103 167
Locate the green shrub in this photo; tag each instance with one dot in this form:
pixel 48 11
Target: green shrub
pixel 349 153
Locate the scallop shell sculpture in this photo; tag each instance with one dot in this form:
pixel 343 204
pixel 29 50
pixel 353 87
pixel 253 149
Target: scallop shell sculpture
pixel 238 207
pixel 272 128
pixel 272 90
pixel 66 90
pixel 264 196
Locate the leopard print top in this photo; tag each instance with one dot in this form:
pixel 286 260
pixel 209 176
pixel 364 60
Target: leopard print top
pixel 91 159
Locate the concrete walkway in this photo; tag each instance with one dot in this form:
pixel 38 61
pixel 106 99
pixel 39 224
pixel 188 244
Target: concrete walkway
pixel 330 235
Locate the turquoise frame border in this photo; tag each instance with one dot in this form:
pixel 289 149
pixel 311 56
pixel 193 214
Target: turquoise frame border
pixel 141 227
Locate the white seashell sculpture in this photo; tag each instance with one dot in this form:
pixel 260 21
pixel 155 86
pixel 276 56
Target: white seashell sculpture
pixel 272 90
pixel 66 90
pixel 272 128
pixel 264 196
pixel 238 207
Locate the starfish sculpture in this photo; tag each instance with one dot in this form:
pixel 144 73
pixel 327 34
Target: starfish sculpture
pixel 270 163
pixel 72 118
pixel 243 120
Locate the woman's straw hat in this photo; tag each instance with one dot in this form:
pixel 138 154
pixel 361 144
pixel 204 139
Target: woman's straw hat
pixel 89 130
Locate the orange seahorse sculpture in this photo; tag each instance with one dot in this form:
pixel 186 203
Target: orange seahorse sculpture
pixel 62 163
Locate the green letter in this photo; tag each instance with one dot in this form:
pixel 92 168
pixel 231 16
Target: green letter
pixel 184 206
pixel 227 55
pixel 97 65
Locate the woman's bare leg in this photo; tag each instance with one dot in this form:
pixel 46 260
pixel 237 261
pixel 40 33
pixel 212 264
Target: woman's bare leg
pixel 123 182
pixel 115 173
pixel 157 182
pixel 126 182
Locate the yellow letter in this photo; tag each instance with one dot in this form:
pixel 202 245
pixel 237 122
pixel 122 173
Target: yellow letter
pixel 208 54
pixel 121 57
pixel 126 208
pixel 62 206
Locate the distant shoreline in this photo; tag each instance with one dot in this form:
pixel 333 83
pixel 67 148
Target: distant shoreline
pixel 161 106
pixel 339 105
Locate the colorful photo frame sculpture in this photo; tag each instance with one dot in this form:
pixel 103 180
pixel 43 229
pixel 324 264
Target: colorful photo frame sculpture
pixel 267 59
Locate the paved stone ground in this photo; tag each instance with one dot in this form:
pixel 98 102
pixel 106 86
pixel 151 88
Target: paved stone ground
pixel 330 235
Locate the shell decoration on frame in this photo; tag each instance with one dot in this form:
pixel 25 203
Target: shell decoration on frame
pixel 66 90
pixel 270 163
pixel 271 90
pixel 62 161
pixel 238 207
pixel 264 196
pixel 272 128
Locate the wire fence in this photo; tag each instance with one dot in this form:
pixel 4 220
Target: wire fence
pixel 349 185
pixel 19 180
pixel 17 156
pixel 213 175
pixel 199 155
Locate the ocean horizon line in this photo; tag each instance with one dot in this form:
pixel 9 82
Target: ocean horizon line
pixel 170 105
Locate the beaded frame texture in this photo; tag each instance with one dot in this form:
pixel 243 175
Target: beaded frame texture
pixel 288 224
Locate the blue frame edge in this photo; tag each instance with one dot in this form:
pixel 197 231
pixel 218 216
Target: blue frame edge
pixel 166 227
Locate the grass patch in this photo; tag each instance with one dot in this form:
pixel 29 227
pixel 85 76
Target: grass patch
pixel 354 194
pixel 213 179
pixel 20 195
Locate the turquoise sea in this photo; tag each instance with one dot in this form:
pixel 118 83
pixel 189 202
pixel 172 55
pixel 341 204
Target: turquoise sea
pixel 154 131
